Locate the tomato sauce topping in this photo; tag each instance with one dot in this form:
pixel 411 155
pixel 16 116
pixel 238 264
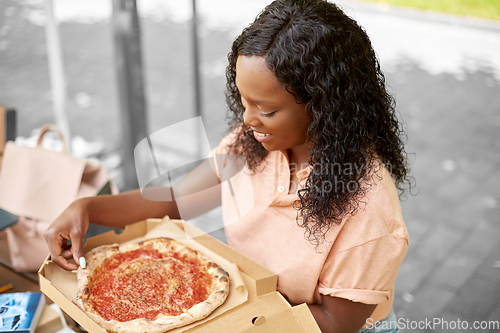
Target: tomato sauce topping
pixel 145 283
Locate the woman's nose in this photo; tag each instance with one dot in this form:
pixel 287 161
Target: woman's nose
pixel 251 117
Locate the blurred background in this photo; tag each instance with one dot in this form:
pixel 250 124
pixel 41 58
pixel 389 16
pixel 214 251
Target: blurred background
pixel 442 63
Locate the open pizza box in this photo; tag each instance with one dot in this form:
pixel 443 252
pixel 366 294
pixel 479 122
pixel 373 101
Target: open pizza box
pixel 253 304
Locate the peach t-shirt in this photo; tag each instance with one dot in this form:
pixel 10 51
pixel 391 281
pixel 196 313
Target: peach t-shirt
pixel 360 259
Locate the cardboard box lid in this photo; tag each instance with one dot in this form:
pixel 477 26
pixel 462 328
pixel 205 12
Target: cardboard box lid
pixel 268 313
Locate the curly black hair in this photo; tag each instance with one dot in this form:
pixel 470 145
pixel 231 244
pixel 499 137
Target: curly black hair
pixel 326 60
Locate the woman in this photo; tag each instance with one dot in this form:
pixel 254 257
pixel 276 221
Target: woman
pixel 324 156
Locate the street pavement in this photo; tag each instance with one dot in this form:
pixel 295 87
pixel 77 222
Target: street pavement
pixel 443 71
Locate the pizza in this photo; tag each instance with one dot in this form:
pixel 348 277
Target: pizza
pixel 150 286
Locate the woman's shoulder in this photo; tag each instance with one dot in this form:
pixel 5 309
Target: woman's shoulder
pixel 383 197
pixel 381 204
pixel 379 213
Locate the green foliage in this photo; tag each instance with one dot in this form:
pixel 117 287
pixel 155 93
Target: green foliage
pixel 489 9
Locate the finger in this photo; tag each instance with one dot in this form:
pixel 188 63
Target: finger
pixel 67 254
pixel 61 261
pixel 56 243
pixel 77 247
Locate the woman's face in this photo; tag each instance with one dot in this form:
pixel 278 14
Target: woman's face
pixel 276 119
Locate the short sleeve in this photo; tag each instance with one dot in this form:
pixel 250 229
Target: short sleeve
pixel 364 273
pixel 222 150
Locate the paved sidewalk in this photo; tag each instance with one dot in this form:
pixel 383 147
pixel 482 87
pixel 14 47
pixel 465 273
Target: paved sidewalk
pixel 445 76
pixel 447 94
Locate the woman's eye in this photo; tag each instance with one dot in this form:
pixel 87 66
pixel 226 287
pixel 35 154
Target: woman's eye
pixel 268 114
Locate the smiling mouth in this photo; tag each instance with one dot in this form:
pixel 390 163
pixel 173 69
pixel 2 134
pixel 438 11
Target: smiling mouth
pixel 261 135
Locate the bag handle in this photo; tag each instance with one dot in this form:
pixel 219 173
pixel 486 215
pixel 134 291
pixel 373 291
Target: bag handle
pixel 53 128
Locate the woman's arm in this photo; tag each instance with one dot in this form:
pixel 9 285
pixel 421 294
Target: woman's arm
pixel 117 211
pixel 337 314
pixel 195 194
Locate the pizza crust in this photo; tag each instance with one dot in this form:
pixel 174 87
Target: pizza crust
pixel 217 294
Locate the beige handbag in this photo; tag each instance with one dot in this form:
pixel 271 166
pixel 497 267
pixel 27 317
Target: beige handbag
pixel 37 184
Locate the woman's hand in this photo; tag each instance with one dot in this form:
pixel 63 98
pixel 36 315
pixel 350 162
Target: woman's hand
pixel 337 314
pixel 71 225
